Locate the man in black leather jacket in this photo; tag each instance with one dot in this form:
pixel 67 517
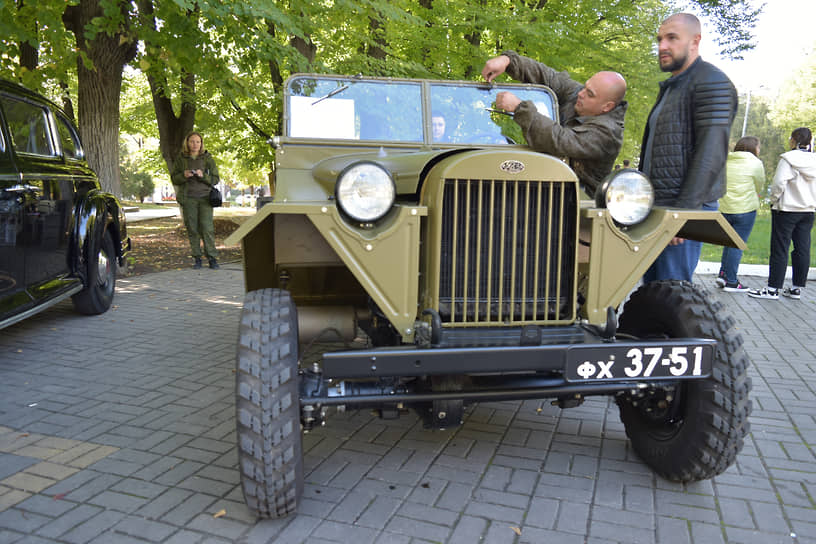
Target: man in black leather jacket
pixel 685 143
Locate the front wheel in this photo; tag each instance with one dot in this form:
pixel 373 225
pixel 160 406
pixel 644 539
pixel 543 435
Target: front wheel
pixel 267 404
pixel 695 429
pixel 100 274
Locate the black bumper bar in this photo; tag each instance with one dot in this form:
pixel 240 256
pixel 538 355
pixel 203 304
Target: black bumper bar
pixel 404 362
pixel 370 394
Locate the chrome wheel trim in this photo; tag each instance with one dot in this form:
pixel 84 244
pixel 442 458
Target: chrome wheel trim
pixel 102 268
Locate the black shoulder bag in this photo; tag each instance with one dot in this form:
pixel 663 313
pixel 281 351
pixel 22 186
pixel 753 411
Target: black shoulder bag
pixel 215 196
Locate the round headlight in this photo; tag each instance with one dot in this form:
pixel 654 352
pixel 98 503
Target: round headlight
pixel 365 191
pixel 627 194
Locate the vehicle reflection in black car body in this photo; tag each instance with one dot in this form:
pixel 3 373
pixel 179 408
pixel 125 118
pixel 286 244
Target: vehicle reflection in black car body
pixel 60 234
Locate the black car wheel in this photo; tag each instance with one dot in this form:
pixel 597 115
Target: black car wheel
pixel 100 273
pixel 694 430
pixel 267 405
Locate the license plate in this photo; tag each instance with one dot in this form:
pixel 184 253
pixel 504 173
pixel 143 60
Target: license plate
pixel 641 361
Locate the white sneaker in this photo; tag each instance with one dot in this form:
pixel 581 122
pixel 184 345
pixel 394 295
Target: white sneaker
pixel 735 287
pixel 765 292
pixel 792 292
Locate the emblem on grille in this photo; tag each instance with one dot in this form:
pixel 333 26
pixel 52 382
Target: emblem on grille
pixel 512 167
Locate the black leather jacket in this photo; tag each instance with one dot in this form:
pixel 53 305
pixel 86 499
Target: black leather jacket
pixel 690 141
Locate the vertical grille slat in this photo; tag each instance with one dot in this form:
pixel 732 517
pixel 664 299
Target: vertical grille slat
pixel 466 269
pixel 558 269
pixel 537 249
pixel 479 222
pixel 508 252
pixel 524 255
pixel 453 246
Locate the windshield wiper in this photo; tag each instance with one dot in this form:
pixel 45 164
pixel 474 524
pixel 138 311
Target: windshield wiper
pixel 338 90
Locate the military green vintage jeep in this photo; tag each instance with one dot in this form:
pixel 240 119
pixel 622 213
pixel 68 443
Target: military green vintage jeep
pixel 417 255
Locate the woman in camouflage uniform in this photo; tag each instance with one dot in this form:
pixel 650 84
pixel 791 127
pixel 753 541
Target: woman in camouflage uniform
pixel 195 172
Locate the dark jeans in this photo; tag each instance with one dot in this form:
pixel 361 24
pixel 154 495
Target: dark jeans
pixel 678 262
pixel 743 223
pixel 787 227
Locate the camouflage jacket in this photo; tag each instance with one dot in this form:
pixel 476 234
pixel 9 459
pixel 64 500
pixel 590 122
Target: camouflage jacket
pixel 590 143
pixel 195 187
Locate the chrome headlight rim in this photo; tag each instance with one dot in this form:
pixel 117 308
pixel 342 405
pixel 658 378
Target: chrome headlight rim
pixel 627 208
pixel 353 210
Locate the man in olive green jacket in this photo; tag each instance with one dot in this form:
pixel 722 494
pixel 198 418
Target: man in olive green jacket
pixel 590 133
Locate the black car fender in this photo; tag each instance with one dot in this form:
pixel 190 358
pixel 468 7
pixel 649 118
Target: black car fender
pixel 97 212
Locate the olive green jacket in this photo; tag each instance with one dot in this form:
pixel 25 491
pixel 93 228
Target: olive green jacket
pixel 591 143
pixel 194 187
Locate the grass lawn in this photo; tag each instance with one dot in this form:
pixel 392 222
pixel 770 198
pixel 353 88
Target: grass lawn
pixel 759 248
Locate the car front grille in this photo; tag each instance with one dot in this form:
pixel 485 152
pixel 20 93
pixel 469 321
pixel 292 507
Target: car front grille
pixel 508 252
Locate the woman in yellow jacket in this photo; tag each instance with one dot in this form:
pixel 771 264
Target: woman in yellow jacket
pixel 745 177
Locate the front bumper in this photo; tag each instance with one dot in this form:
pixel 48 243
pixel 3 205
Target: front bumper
pixel 591 362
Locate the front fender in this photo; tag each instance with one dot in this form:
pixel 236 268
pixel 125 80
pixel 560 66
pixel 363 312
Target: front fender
pixel 96 212
pixel 384 259
pixel 617 258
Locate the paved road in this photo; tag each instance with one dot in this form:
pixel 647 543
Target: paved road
pixel 119 429
pixel 143 214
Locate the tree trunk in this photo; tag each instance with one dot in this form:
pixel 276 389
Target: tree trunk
pixel 98 100
pixel 172 128
pixel 67 104
pixel 377 51
pixel 99 88
pixel 29 54
pixel 304 47
pixel 274 67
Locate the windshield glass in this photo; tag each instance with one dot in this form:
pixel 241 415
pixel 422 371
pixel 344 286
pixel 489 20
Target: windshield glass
pixel 392 111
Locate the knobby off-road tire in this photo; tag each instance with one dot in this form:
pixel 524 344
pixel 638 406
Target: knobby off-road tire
pixel 267 406
pixel 701 432
pixel 97 296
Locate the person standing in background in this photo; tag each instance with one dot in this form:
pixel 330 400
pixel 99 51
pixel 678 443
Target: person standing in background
pixel 793 202
pixel 744 177
pixel 685 142
pixel 195 171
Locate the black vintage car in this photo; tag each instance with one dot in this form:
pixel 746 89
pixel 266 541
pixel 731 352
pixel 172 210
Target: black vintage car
pixel 60 235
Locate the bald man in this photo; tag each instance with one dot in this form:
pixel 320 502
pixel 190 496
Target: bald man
pixel 590 133
pixel 685 143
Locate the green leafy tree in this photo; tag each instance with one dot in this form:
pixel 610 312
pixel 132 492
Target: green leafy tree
pixel 200 58
pixel 134 172
pixel 796 105
pixel 138 184
pixel 734 21
pixel 759 123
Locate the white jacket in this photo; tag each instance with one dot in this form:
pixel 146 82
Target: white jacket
pixel 794 184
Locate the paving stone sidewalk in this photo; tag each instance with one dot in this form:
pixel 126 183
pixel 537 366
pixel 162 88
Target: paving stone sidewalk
pixel 120 429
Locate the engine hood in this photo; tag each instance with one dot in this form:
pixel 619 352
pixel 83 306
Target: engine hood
pixel 405 168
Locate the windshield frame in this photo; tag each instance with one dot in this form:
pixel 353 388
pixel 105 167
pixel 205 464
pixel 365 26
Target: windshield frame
pixel 332 92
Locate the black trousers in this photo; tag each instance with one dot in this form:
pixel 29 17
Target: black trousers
pixel 787 227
